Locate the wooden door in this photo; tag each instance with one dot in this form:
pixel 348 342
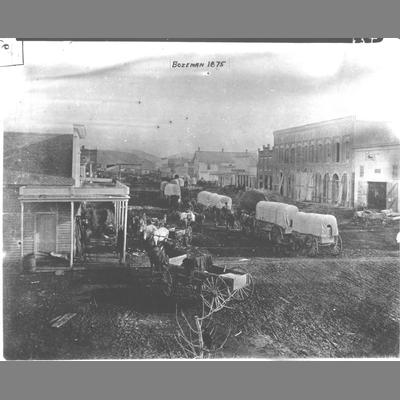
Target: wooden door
pixel 45 232
pixel 377 195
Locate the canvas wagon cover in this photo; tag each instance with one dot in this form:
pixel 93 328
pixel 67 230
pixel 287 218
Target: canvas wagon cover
pixel 162 186
pixel 172 189
pixel 277 213
pixel 222 200
pixel 203 197
pixel 209 199
pixel 316 224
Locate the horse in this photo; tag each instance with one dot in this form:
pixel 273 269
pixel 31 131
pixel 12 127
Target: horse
pixel 154 239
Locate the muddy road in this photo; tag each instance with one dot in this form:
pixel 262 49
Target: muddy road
pixel 342 307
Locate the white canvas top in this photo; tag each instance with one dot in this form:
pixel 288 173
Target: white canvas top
pixel 172 189
pixel 163 184
pixel 209 199
pixel 316 224
pixel 277 213
pixel 203 198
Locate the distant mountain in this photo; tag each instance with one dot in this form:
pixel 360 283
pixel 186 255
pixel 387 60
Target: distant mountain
pixel 132 157
pixel 187 155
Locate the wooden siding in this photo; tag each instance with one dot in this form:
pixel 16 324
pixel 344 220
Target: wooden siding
pixel 12 229
pixel 11 237
pixel 64 228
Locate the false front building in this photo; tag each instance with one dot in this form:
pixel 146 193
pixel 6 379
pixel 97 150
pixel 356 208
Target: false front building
pixel 44 194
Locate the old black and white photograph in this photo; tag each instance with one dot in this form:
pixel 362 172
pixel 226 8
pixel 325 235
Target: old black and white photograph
pixel 189 200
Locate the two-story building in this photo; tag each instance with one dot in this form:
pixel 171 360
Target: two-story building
pixel 318 162
pixel 43 193
pixel 376 166
pixel 264 168
pixel 226 168
pixel 314 162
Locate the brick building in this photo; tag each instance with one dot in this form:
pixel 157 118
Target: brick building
pixel 318 162
pixel 264 168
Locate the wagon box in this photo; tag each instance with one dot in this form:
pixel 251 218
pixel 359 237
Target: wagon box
pixel 235 281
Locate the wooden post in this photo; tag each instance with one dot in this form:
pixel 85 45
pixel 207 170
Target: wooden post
pixel 116 215
pixel 22 231
pixel 71 261
pixel 125 229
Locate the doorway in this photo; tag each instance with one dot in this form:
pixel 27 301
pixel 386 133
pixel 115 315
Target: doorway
pixel 377 195
pixel 45 238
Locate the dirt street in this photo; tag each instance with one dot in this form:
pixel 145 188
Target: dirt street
pixel 303 307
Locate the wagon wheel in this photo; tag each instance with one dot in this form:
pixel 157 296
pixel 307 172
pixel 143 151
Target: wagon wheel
pixel 167 283
pixel 237 226
pixel 276 234
pixel 314 248
pixel 244 292
pixel 214 292
pixel 128 260
pixel 337 248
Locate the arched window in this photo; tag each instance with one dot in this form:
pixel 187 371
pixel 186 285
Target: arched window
pixel 347 150
pixel 328 151
pixel 312 153
pixel 320 152
pixel 305 153
pixel 292 155
pixel 335 188
pixel 325 188
pixel 337 149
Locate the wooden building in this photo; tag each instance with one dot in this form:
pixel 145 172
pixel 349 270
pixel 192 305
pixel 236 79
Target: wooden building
pixel 43 191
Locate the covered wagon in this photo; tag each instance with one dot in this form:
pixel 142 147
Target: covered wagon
pixel 162 188
pixel 209 200
pixel 203 198
pixel 314 232
pixel 172 189
pixel 172 192
pixel 274 220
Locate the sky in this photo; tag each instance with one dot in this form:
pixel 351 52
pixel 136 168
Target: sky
pixel 129 97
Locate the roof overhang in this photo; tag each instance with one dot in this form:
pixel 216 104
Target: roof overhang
pixel 48 194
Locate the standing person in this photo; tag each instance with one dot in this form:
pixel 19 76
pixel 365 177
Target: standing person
pixel 120 244
pixel 224 213
pixel 215 213
pixel 230 220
